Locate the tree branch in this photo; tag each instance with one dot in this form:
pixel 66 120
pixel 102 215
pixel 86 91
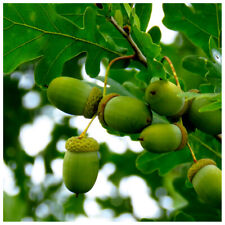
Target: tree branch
pixel 138 52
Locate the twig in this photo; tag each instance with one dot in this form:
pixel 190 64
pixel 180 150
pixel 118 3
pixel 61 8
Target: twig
pixel 138 52
pixel 109 66
pixel 192 153
pixel 173 70
pixel 85 131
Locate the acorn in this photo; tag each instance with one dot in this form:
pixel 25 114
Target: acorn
pixel 208 121
pixel 162 138
pixel 123 113
pixel 80 164
pixel 74 96
pixel 206 178
pixel 163 97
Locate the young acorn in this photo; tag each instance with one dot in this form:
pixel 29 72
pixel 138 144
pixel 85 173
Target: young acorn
pixel 163 97
pixel 162 138
pixel 80 164
pixel 208 121
pixel 74 96
pixel 206 178
pixel 123 113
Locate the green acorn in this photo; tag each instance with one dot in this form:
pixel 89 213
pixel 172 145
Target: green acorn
pixel 206 178
pixel 163 97
pixel 74 96
pixel 208 121
pixel 162 138
pixel 123 113
pixel 80 164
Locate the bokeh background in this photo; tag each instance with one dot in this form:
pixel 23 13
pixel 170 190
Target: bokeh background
pixel 34 144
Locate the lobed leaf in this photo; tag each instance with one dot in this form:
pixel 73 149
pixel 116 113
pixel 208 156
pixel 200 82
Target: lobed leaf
pixel 34 31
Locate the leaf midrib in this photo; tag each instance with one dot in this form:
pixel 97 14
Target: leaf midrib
pixel 63 35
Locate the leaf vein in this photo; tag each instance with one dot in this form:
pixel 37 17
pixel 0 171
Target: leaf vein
pixel 64 35
pixel 21 45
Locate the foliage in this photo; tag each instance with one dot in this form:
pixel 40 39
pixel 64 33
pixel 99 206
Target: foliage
pixel 56 40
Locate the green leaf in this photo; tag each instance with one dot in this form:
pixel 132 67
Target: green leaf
pixel 144 42
pixel 206 68
pixel 148 162
pixel 134 20
pixel 215 52
pixel 128 9
pixel 216 104
pixel 206 88
pixel 211 107
pixel 181 216
pixel 156 69
pixel 73 12
pixel 39 31
pixel 117 14
pixel 195 209
pixel 192 20
pixel 122 75
pixel 143 11
pixel 14 208
pixel 195 64
pixel 155 34
pixel 72 68
pixel 134 89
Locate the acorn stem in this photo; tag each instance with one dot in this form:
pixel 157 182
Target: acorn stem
pixel 173 70
pixel 192 153
pixel 89 124
pixel 109 66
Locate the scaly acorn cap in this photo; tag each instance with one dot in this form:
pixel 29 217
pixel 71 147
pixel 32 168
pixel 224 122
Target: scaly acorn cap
pixel 184 136
pixel 101 107
pixel 197 166
pixel 93 100
pixel 84 144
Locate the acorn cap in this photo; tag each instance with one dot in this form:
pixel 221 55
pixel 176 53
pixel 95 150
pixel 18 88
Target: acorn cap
pixel 93 100
pixel 101 107
pixel 197 166
pixel 184 136
pixel 84 144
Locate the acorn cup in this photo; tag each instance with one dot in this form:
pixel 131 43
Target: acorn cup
pixel 206 178
pixel 74 96
pixel 123 113
pixel 80 164
pixel 163 97
pixel 162 138
pixel 208 121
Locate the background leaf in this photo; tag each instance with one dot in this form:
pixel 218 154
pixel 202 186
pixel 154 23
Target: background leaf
pixel 190 20
pixel 143 11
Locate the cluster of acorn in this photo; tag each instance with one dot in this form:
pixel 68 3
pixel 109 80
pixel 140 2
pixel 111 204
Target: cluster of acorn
pixel 131 115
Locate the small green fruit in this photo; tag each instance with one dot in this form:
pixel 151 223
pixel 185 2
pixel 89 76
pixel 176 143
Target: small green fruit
pixel 163 97
pixel 161 138
pixel 208 121
pixel 206 178
pixel 74 96
pixel 123 113
pixel 80 164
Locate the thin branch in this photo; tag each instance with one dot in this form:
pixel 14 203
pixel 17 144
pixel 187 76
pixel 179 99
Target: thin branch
pixel 109 66
pixel 89 124
pixel 138 52
pixel 173 70
pixel 192 153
